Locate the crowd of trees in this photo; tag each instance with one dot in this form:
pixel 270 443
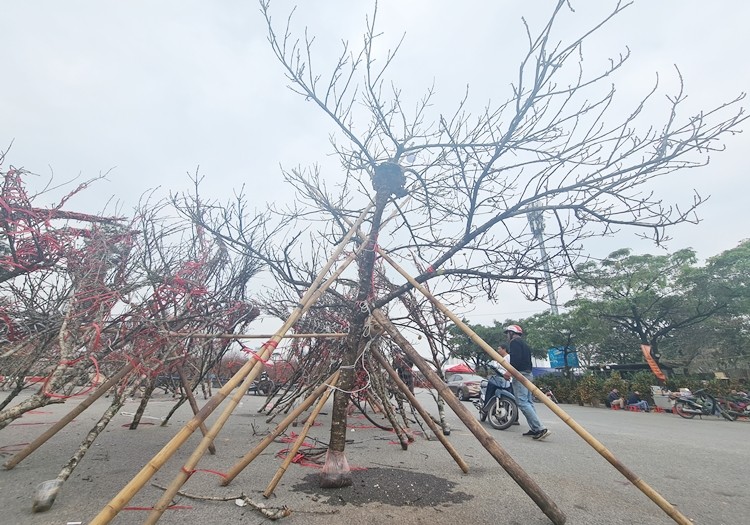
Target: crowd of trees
pixel 83 297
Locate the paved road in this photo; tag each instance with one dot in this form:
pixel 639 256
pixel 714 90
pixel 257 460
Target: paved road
pixel 700 466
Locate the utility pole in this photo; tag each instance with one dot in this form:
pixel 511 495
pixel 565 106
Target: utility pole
pixel 536 222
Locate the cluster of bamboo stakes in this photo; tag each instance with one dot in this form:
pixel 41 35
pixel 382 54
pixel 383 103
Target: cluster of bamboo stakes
pixel 252 369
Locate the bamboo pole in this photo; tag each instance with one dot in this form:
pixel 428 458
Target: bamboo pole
pixel 187 470
pixel 276 432
pixel 420 410
pixel 193 404
pixel 70 416
pixel 313 292
pixel 504 459
pixel 654 496
pixel 300 439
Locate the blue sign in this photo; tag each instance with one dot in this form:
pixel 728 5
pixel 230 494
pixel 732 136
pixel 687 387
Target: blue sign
pixel 557 357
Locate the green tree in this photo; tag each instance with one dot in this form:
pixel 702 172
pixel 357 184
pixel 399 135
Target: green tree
pixel 579 330
pixel 462 347
pixel 728 275
pixel 546 330
pixel 721 341
pixel 600 340
pixel 650 297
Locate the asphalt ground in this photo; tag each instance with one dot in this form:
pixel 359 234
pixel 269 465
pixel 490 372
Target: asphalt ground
pixel 699 466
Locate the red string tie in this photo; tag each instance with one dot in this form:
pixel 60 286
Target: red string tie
pixel 211 472
pixel 252 352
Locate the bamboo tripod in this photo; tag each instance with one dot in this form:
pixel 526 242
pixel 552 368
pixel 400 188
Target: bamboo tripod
pixel 528 485
pixel 250 456
pixel 546 505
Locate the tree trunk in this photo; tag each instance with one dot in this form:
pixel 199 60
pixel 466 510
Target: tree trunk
pixel 336 472
pixel 177 405
pixel 142 407
pixel 55 381
pixel 403 438
pixel 17 388
pixel 441 414
pixel 193 404
pixel 47 491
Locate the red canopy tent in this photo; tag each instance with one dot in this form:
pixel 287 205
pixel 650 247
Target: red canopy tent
pixel 460 368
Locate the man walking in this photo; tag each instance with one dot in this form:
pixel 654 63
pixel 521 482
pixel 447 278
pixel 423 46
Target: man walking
pixel 520 359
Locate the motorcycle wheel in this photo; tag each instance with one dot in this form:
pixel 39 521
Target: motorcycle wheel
pixel 679 408
pixel 503 414
pixel 266 387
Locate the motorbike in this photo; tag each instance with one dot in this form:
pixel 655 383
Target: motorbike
pixel 263 385
pixel 700 403
pixel 738 406
pixel 502 411
pixel 547 391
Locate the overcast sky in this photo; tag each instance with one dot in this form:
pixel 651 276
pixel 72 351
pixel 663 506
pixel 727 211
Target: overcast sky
pixel 147 91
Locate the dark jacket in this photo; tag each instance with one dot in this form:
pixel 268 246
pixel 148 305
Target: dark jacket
pixel 520 355
pixel 633 399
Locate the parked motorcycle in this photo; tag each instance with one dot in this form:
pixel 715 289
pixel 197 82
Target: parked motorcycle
pixel 547 391
pixel 502 410
pixel 737 406
pixel 263 385
pixel 700 403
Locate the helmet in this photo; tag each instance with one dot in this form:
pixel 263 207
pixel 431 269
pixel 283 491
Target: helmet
pixel 514 328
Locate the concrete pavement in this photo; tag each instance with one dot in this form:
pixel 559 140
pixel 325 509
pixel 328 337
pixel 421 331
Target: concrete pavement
pixel 700 466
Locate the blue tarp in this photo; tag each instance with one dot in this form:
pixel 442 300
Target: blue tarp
pixel 557 357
